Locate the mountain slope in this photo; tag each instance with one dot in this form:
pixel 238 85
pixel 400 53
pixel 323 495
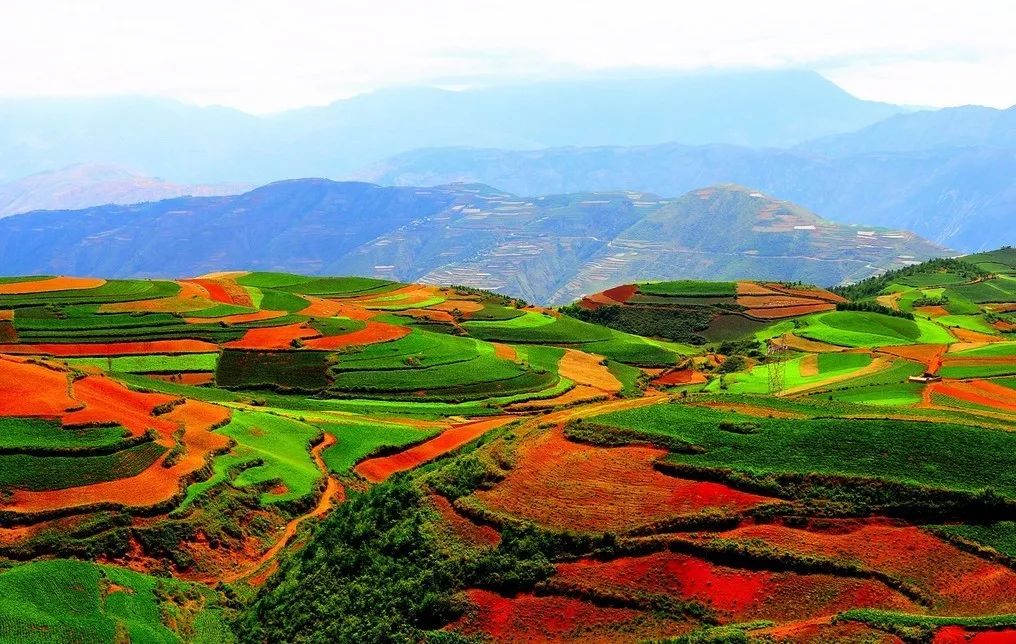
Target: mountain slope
pixel 960 197
pixel 191 144
pixel 549 248
pixel 86 185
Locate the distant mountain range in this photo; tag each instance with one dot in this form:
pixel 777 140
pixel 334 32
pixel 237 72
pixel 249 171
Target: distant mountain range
pixel 947 175
pixel 86 185
pixel 190 144
pixel 551 248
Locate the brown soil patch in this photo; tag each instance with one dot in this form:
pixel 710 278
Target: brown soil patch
pixel 239 318
pixel 322 308
pixel 774 301
pixel 567 485
pixel 751 288
pixel 966 335
pixel 680 377
pixel 816 293
pixel 789 311
pixel 810 346
pixel 979 392
pixel 808 366
pixel 505 352
pixel 195 378
pixel 1004 326
pixel 463 528
pixel 620 294
pixel 752 410
pixel 51 284
pixel 379 469
pixel 373 333
pixel 154 485
pixel 577 394
pixel 444 317
pixel 103 349
pixel 106 400
pixel 932 311
pixel 586 369
pixel 462 306
pixel 275 337
pixel 224 290
pixel 930 355
pixel 7 315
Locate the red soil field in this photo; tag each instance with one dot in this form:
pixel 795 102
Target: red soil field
pixel 966 335
pixel 958 635
pixel 379 469
pixel 932 311
pixel 322 308
pixel 789 311
pixel 776 300
pixel 51 284
pixel 102 349
pixel 1004 326
pixel 530 618
pixel 568 485
pixel 224 290
pixel 274 337
pixel 737 594
pixel 106 400
pixel 621 294
pixel 33 390
pixel 464 529
pixel 505 351
pixel 961 582
pixel 680 377
pixel 979 392
pixel 6 315
pixel 751 288
pixel 821 630
pixel 930 355
pixel 154 485
pixel 817 293
pixel 373 333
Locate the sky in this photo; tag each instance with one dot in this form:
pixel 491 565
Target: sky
pixel 263 57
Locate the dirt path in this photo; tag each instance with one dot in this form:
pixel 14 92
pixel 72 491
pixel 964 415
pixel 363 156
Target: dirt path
pixel 333 491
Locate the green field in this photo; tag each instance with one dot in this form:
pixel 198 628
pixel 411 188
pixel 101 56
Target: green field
pixel 40 434
pixel 756 380
pixel 954 457
pixel 282 447
pixel 356 441
pixel 864 329
pixel 56 472
pixel 151 363
pixel 689 288
pixel 75 601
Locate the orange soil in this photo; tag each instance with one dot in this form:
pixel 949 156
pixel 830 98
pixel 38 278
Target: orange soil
pixel 930 355
pixel 33 390
pixel 51 284
pixel 568 485
pixel 821 630
pixel 751 288
pixel 966 335
pixel 505 352
pixel 789 311
pixel 680 377
pixel 224 290
pixel 961 582
pixel 817 293
pixel 106 400
pixel 239 318
pixel 774 301
pixel 586 369
pixel 932 311
pixel 811 346
pixel 808 366
pixel 379 469
pixel 463 306
pixel 322 308
pixel 621 294
pixel 192 297
pixel 979 392
pixel 152 486
pixel 7 315
pixel 737 594
pixel 111 348
pixel 958 635
pixel 373 333
pixel 188 378
pixel 274 337
pixel 530 618
pixel 1004 326
pixel 464 529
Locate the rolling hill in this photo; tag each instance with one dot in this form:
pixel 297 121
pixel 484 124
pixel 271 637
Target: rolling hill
pixel 551 248
pixel 86 185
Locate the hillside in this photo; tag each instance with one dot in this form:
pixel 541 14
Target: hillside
pixel 86 185
pixel 265 456
pixel 551 248
pixel 961 197
pixel 193 144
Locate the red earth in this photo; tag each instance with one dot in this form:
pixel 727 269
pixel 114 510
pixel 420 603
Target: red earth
pixel 103 349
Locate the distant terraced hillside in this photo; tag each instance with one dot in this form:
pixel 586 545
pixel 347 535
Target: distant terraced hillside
pixel 552 248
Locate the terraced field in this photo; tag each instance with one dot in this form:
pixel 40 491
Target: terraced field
pixel 266 457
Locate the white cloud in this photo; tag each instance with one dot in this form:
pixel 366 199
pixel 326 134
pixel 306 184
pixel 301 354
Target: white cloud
pixel 265 56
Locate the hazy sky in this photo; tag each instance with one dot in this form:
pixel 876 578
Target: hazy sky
pixel 265 56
